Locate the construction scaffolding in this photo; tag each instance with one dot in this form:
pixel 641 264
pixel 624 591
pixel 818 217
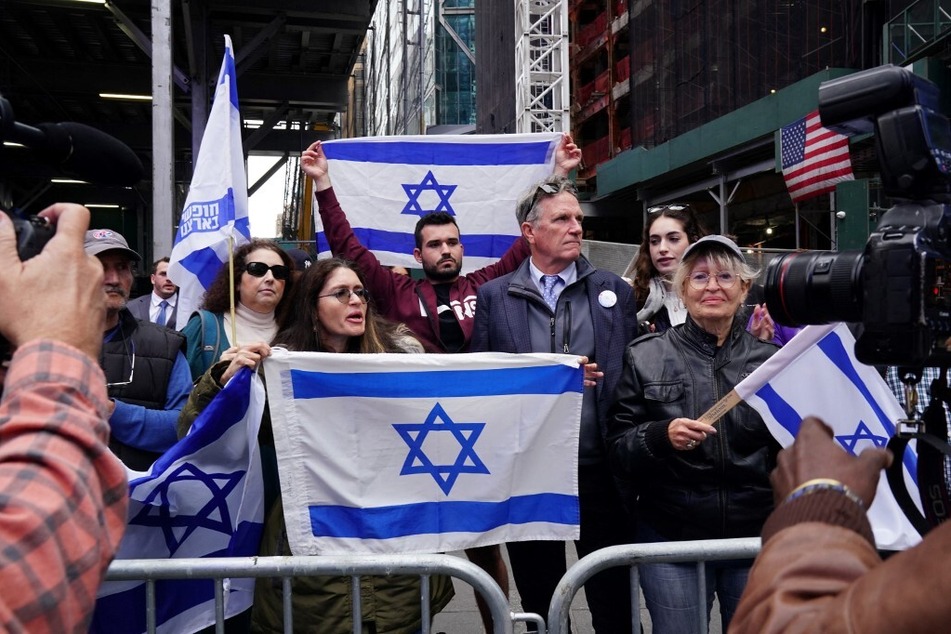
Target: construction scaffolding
pixel 542 94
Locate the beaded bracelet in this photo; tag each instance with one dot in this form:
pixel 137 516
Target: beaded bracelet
pixel 824 484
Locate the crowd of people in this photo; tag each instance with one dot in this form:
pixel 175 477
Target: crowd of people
pixel 659 347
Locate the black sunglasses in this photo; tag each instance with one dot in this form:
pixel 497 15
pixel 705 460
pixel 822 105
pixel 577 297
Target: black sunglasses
pixel 260 269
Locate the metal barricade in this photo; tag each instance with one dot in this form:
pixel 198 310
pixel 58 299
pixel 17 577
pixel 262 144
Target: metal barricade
pixel 424 566
pixel 633 555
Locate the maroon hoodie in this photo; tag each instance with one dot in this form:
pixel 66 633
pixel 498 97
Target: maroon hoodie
pixel 402 298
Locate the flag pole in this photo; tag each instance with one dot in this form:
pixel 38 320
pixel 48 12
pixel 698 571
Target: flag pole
pixel 721 407
pixel 234 324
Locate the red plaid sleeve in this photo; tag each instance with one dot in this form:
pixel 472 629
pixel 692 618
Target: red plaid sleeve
pixel 63 495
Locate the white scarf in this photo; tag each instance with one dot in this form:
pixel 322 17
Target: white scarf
pixel 251 326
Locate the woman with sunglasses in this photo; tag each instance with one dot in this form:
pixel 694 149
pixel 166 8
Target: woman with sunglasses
pixel 262 282
pixel 694 480
pixel 330 313
pixel 669 230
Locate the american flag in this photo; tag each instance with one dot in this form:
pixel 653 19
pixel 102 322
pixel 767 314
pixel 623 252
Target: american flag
pixel 814 158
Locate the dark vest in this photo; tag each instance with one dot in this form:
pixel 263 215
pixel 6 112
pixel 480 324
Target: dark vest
pixel 154 349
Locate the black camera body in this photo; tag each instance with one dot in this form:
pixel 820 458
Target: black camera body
pixel 898 288
pixel 32 235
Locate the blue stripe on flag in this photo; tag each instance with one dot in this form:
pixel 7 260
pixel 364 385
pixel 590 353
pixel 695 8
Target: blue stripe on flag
pixel 442 517
pixel 552 379
pixel 832 346
pixel 434 153
pixel 784 413
pixel 476 245
pixel 172 598
pixel 229 71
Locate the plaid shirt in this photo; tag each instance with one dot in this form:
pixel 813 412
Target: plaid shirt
pixel 63 495
pixel 924 399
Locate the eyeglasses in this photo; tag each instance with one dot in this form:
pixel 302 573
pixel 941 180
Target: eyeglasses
pixel 699 280
pixel 675 207
pixel 342 295
pixel 131 363
pixel 260 269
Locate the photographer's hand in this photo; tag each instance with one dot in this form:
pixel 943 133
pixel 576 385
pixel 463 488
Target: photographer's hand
pixel 814 455
pixel 35 292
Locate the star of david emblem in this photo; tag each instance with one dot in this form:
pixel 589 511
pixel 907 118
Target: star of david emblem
pixel 466 434
pixel 862 433
pixel 429 183
pixel 214 515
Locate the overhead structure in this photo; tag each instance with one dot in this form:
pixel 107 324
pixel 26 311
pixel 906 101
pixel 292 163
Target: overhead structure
pixel 542 95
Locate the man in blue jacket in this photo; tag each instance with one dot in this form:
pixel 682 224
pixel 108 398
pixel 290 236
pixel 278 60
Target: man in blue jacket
pixel 146 372
pixel 557 301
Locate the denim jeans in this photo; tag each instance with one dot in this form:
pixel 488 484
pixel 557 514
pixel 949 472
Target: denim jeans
pixel 671 595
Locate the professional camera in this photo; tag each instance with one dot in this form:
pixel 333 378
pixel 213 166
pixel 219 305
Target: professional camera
pixel 898 287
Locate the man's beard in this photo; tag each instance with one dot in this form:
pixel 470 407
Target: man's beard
pixel 435 274
pixel 116 298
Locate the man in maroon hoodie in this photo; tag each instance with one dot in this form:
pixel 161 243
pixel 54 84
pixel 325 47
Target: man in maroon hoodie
pixel 439 309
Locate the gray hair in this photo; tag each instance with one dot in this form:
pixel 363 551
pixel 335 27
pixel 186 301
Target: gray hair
pixel 527 208
pixel 722 258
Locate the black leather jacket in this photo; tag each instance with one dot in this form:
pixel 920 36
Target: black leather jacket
pixel 720 489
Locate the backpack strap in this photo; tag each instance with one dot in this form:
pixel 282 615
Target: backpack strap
pixel 210 332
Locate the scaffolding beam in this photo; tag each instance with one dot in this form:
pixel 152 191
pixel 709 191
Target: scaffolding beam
pixel 542 97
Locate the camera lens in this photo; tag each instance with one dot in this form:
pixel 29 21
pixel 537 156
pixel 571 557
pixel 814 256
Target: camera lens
pixel 814 288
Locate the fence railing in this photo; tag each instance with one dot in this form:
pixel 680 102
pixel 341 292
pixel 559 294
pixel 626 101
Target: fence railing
pixel 425 566
pixel 633 555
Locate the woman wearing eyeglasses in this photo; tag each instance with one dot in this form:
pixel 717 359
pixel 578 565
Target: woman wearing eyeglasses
pixel 694 480
pixel 669 230
pixel 262 281
pixel 331 312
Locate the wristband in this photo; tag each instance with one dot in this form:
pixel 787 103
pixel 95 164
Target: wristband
pixel 824 484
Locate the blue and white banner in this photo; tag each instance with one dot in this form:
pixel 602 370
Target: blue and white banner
pixel 203 498
pixel 216 208
pixel 385 184
pixel 817 374
pixel 401 453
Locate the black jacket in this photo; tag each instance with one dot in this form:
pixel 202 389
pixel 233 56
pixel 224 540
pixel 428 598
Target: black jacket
pixel 720 489
pixel 154 349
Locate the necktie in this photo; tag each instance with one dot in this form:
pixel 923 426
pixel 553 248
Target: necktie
pixel 163 313
pixel 548 290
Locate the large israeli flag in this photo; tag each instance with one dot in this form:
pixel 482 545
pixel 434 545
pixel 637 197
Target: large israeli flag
pixel 817 374
pixel 397 453
pixel 202 498
pixel 385 184
pixel 217 204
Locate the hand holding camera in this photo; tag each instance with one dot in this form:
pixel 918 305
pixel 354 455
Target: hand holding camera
pixel 57 294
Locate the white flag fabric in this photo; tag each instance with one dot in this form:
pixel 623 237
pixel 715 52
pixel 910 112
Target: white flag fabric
pixel 217 204
pixel 385 184
pixel 817 374
pixel 402 453
pixel 203 498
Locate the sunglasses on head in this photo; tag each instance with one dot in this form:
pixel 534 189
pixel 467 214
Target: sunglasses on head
pixel 551 190
pixel 676 207
pixel 260 269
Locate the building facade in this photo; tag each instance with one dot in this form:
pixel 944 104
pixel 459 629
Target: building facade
pixel 683 101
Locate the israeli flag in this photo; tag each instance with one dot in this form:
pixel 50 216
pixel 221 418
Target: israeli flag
pixel 217 204
pixel 401 453
pixel 817 374
pixel 202 498
pixel 385 184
